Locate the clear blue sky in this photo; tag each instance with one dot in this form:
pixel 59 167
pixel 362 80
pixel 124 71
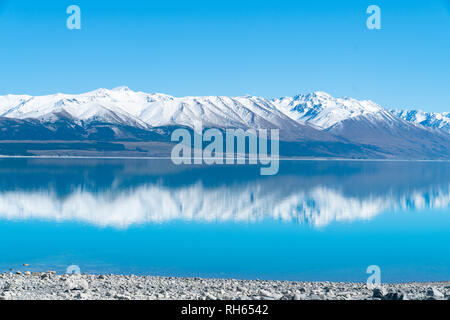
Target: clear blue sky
pixel 231 47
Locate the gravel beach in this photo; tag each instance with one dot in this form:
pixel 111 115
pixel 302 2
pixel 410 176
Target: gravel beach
pixel 50 286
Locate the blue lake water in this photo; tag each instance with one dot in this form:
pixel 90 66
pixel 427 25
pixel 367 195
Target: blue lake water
pixel 314 221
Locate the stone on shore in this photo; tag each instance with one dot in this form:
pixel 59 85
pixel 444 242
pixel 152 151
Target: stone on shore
pixel 49 286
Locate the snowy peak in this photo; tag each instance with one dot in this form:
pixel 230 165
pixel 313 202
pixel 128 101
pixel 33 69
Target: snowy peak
pixel 305 115
pixel 225 112
pixel 426 119
pixel 123 106
pixel 322 110
pixel 314 124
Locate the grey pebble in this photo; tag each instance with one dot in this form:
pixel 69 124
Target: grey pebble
pixel 49 286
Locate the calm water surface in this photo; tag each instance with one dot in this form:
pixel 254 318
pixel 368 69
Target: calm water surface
pixel 315 220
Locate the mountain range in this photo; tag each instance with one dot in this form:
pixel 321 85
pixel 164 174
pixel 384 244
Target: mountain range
pixel 122 122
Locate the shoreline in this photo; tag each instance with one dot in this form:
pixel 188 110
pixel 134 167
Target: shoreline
pixel 51 286
pixel 169 158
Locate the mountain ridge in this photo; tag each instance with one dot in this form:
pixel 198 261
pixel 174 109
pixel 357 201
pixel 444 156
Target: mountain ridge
pixel 316 120
pixel 433 120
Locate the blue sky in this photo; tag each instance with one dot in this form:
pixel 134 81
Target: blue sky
pixel 266 48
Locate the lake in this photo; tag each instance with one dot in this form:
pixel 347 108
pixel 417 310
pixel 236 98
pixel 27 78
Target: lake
pixel 314 221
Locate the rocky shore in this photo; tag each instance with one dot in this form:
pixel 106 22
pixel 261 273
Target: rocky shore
pixel 50 286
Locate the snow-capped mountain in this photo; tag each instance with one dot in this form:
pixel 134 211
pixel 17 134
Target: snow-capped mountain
pixel 318 124
pixel 365 123
pixel 323 111
pixel 122 106
pixel 118 106
pixel 426 119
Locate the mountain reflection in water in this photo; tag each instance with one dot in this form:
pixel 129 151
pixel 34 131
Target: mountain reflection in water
pixel 123 193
